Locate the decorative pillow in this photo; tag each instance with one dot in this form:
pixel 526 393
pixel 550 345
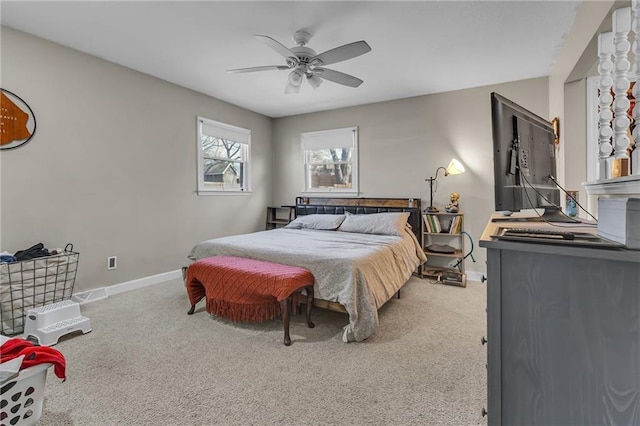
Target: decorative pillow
pixel 376 223
pixel 327 222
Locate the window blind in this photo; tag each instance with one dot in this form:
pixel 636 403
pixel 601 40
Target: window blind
pixel 225 131
pixel 335 138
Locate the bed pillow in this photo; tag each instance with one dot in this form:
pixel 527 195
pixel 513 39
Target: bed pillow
pixel 376 223
pixel 327 222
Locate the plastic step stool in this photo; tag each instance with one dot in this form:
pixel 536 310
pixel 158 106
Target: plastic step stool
pixel 48 323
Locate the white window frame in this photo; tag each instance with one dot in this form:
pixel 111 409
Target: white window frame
pixel 326 139
pixel 226 131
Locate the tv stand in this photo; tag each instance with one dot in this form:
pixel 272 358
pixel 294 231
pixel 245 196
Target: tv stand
pixel 555 215
pixel 516 219
pixel 550 215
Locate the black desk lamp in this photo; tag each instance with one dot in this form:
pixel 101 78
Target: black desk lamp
pixel 454 168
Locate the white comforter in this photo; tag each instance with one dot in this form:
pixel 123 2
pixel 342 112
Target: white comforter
pixel 359 271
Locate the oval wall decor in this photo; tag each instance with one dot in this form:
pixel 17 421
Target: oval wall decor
pixel 17 121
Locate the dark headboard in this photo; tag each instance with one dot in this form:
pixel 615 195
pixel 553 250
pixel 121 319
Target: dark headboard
pixel 318 205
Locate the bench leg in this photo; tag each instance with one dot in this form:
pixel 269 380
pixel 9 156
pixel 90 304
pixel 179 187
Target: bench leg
pixel 285 307
pixel 309 306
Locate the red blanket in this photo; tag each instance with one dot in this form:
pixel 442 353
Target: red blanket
pixel 242 289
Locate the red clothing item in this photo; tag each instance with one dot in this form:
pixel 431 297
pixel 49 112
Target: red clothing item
pixel 33 355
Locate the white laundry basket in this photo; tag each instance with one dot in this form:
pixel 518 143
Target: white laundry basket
pixel 21 398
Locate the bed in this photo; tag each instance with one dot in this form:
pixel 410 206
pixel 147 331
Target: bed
pixel 355 272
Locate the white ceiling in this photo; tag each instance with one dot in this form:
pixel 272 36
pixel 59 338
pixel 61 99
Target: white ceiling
pixel 418 47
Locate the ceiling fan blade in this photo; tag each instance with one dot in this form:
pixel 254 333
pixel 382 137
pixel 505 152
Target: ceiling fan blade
pixel 264 68
pixel 337 77
pixel 342 53
pixel 278 47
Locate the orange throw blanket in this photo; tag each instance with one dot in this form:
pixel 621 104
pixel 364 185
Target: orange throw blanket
pixel 245 290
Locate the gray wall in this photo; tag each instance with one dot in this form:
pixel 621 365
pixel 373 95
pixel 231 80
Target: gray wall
pixel 403 142
pixel 112 167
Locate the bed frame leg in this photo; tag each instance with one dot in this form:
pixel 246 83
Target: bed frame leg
pixel 309 305
pixel 398 294
pixel 285 306
pixel 192 310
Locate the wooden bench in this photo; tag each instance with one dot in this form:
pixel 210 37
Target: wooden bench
pixel 248 290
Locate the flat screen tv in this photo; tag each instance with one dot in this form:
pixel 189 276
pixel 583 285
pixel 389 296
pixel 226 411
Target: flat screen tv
pixel 524 162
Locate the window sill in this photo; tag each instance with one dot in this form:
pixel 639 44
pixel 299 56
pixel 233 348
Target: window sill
pixel 201 192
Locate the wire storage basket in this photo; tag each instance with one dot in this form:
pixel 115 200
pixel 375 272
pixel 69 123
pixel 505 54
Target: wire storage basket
pixel 34 283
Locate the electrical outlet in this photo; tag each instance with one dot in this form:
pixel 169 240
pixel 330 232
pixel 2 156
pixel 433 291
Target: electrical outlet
pixel 112 262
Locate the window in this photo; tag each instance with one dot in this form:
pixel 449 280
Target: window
pixel 223 157
pixel 331 160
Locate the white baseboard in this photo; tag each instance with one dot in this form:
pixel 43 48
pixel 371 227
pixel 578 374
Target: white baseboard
pixel 90 295
pixel 104 292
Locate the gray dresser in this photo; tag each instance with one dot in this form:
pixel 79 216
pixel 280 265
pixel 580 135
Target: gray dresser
pixel 563 334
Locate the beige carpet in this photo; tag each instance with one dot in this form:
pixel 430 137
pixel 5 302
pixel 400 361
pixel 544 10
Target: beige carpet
pixel 147 362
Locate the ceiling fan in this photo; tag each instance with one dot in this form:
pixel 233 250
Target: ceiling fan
pixel 304 62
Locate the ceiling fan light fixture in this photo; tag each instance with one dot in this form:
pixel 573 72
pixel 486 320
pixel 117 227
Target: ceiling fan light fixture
pixel 295 78
pixel 290 88
pixel 314 80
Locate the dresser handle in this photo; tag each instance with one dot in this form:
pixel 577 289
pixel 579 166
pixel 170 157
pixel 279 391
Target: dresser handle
pixel 484 412
pixel 483 340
